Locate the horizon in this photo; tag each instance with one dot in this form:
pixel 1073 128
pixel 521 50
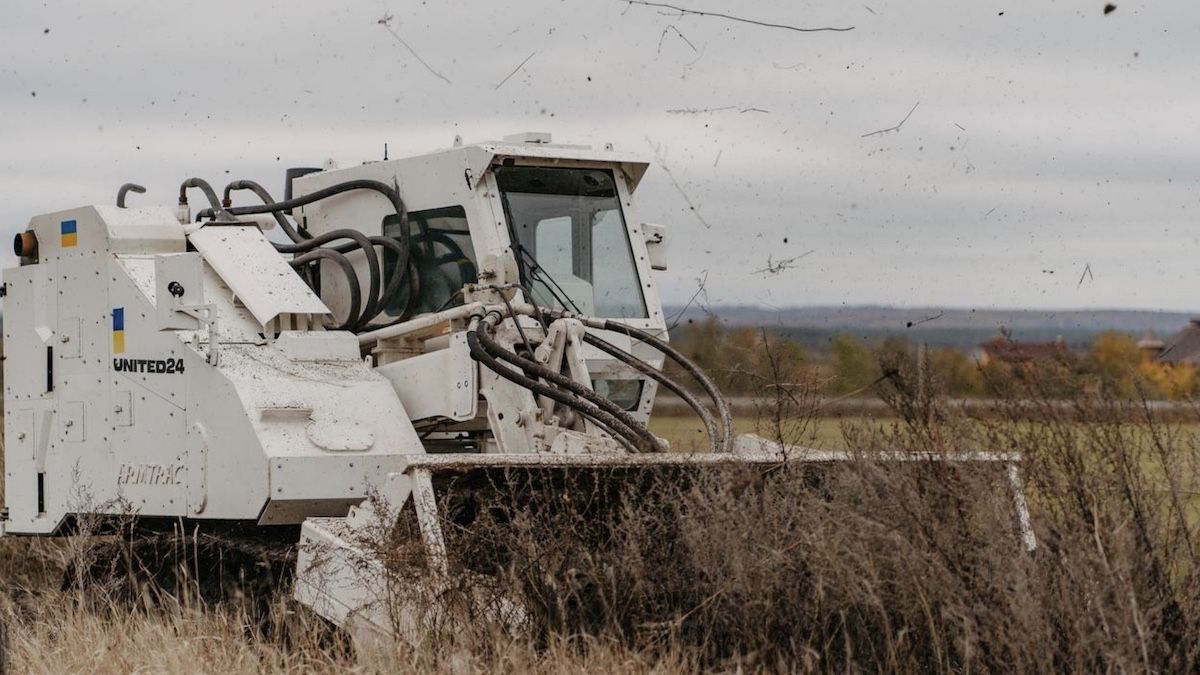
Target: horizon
pixel 871 305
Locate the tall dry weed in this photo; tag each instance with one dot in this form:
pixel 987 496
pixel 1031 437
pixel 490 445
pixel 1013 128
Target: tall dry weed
pixel 862 565
pixel 871 564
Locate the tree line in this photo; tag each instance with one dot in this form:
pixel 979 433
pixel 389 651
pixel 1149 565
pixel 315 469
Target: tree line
pixel 744 360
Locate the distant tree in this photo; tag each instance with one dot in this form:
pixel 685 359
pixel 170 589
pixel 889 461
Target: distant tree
pixel 896 353
pixel 1054 378
pixel 1170 381
pixel 1114 359
pixel 780 361
pixel 852 363
pixel 957 373
pixel 703 341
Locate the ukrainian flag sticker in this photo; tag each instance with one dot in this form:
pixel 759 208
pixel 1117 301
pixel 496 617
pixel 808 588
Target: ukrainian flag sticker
pixel 69 236
pixel 118 321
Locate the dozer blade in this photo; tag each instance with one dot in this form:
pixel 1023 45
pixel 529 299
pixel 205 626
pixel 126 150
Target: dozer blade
pixel 388 571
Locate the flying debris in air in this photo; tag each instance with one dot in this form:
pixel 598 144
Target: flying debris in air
pixel 778 266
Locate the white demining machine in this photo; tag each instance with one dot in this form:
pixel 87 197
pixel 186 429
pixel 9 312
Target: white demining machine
pixel 484 306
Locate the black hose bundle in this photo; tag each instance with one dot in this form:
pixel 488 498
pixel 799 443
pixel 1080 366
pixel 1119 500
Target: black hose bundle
pixel 710 425
pixel 309 250
pixel 726 442
pixel 690 367
pixel 302 262
pixel 214 206
pixel 583 400
pixel 285 225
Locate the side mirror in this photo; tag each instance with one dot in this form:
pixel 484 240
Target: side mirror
pixel 656 245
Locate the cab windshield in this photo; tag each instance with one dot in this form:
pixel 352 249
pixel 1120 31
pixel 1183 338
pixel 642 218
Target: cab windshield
pixel 574 247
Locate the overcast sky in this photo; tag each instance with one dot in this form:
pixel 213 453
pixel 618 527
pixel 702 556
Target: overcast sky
pixel 1048 138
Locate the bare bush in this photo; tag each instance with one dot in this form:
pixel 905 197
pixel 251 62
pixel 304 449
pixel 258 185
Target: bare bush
pixel 871 564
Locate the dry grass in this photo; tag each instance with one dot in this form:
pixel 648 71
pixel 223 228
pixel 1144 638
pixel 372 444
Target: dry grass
pixel 864 566
pixel 50 630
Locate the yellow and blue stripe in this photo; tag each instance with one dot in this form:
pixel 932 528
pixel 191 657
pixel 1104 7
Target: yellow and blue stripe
pixel 118 330
pixel 69 236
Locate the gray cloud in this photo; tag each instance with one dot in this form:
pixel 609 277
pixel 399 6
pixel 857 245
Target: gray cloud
pixel 1041 143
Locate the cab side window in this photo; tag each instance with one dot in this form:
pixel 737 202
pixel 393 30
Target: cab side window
pixel 444 257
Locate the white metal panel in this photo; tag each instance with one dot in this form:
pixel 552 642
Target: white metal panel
pixel 68 338
pixel 149 229
pixel 142 467
pixel 444 383
pixel 20 435
pixel 122 408
pixel 319 345
pixel 328 477
pixel 74 430
pixel 140 270
pixel 30 309
pixel 136 366
pixel 187 271
pixel 255 272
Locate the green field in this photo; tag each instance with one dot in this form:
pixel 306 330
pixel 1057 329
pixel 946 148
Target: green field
pixel 687 433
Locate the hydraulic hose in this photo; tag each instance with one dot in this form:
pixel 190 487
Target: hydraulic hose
pixel 347 268
pixel 215 206
pixel 360 241
pixel 126 188
pixel 392 289
pixel 376 302
pixel 595 414
pixel 673 354
pixel 643 439
pixel 710 425
pixel 292 233
pixel 360 184
pixel 301 237
pixel 395 283
pixel 691 368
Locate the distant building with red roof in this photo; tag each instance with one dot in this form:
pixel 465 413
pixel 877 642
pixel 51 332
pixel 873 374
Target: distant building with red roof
pixel 1006 350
